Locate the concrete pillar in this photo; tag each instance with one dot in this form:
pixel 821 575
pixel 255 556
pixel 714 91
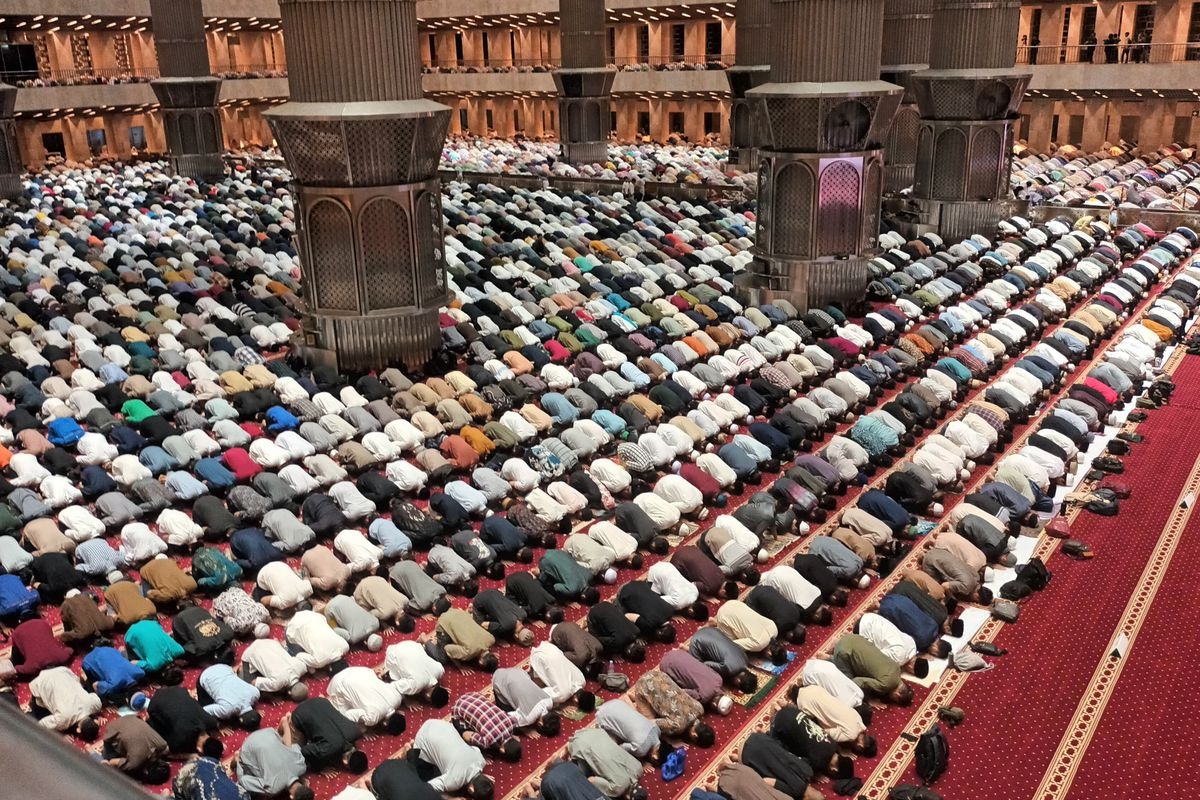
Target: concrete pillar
pixel 752 32
pixel 821 121
pixel 186 92
pixel 363 145
pixel 906 26
pixel 1095 112
pixel 970 100
pixel 499 46
pixel 10 150
pixel 584 83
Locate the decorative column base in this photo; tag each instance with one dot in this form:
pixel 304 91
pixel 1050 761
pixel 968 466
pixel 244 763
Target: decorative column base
pixel 368 204
pixel 960 219
pixel 805 284
pixel 192 123
pixel 743 137
pixel 584 118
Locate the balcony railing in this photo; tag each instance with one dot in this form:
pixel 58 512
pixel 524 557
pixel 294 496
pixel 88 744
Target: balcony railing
pixel 1110 53
pixel 244 71
pixel 499 65
pixel 77 77
pixel 664 63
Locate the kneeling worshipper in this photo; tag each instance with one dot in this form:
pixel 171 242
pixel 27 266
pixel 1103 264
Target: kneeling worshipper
pixel 448 763
pixel 675 713
pixel 415 673
pixel 269 766
pixel 325 736
pixel 365 698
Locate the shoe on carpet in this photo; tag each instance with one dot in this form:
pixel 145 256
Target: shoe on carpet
pixel 1109 464
pixel 952 715
pixel 1077 550
pixel 1132 438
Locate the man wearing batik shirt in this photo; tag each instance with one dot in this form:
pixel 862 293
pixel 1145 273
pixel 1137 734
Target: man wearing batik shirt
pixel 483 724
pixel 674 712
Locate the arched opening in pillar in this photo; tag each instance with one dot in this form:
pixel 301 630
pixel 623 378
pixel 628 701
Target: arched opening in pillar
pixel 839 214
pixel 950 153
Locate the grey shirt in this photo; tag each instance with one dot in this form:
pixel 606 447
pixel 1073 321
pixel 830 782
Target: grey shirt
pixel 351 621
pixel 627 725
pixel 266 765
pixel 421 590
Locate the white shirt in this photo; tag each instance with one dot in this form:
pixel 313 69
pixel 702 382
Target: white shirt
pixel 276 669
pixel 668 581
pixel 268 454
pixel 359 552
pixel 895 643
pixel 819 672
pixel 79 524
pixel 442 745
pixel 94 449
pixel 59 691
pixel 405 475
pixel 178 526
pixel 310 631
pixel 139 544
pixel 679 492
pixel 29 471
pixel 615 539
pixel 792 585
pixel 201 442
pixel 561 678
pixel 59 491
pixel 352 502
pixel 300 481
pixel 663 514
pixel 405 434
pixel 611 475
pixel 294 445
pixel 362 697
pixel 281 581
pixel 126 469
pixel 411 668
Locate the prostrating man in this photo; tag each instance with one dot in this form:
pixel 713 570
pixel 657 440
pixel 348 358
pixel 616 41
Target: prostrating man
pixel 326 737
pixel 61 703
pixel 449 764
pixel 672 709
pixel 267 766
pixel 363 697
pixel 133 747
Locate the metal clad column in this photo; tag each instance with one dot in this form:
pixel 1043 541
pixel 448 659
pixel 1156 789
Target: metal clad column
pixel 584 83
pixel 11 166
pixel 187 93
pixel 906 34
pixel 363 145
pixel 970 99
pixel 821 121
pixel 753 35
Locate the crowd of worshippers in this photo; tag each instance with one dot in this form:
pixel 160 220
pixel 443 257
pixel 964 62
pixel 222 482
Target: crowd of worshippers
pixel 600 397
pixel 1164 179
pixel 669 163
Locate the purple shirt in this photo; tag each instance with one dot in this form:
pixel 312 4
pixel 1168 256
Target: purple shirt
pixel 698 680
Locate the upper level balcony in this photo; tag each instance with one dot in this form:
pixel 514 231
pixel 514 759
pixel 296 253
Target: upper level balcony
pixel 1113 70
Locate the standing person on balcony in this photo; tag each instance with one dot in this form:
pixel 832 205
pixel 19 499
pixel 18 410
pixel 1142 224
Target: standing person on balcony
pixel 1112 44
pixel 1034 44
pixel 1127 50
pixel 1089 49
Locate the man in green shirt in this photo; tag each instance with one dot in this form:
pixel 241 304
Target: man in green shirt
pixel 136 411
pixel 871 669
pixel 150 648
pixel 566 577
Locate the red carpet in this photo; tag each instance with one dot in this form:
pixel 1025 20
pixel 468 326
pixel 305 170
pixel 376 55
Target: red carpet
pixel 1017 713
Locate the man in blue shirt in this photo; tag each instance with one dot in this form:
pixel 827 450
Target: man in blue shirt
pixel 908 617
pixel 227 697
pixel 111 675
